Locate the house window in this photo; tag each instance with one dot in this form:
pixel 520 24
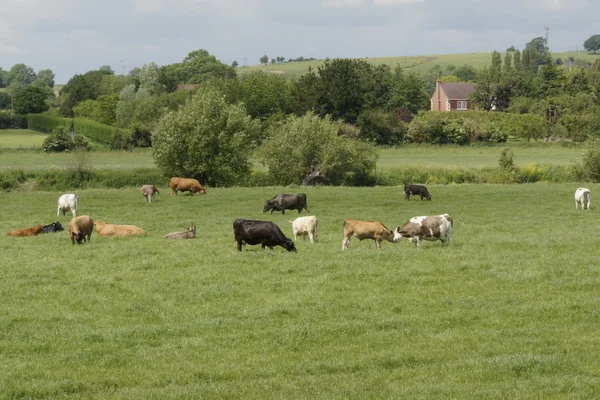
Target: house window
pixel 461 105
pixel 448 105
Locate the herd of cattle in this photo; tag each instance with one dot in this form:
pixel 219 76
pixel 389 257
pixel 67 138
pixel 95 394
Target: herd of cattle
pixel 267 233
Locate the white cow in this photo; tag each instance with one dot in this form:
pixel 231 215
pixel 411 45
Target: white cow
pixel 435 227
pixel 67 202
pixel 305 226
pixel 583 197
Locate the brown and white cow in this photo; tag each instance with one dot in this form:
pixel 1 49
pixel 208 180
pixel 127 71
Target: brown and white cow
pixel 432 228
pixel 149 192
pixel 33 231
pixel 189 234
pixel 105 229
pixel 374 230
pixel 583 197
pixel 186 185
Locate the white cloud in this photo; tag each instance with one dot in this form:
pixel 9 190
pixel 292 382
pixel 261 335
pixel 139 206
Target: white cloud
pixel 341 3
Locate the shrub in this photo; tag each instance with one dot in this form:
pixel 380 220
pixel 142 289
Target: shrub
pixel 60 140
pixel 591 161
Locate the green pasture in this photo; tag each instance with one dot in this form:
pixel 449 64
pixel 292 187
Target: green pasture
pixel 21 139
pixel 509 311
pixel 419 64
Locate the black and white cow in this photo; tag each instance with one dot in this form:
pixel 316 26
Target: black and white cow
pixel 53 227
pixel 416 190
pixel 435 227
pixel 265 233
pixel 283 202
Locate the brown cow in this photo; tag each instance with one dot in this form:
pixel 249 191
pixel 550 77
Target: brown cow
pixel 81 227
pixel 105 229
pixel 186 185
pixel 368 230
pixel 33 231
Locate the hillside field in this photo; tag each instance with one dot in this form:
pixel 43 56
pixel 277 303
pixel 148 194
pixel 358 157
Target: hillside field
pixel 420 64
pixel 510 310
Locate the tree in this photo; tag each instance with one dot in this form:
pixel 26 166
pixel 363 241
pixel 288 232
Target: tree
pixel 149 78
pixel 408 91
pixel 21 73
pixel 206 139
pixel 45 78
pixel 107 69
pixel 31 100
pixel 234 64
pixel 266 95
pixel 308 150
pixel 5 100
pixel 592 44
pixel 308 92
pixel 264 59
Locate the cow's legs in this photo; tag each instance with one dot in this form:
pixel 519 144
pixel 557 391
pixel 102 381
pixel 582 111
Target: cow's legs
pixel 239 244
pixel 312 237
pixel 345 242
pixel 378 243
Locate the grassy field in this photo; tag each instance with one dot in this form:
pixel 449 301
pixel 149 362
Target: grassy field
pixel 419 64
pixel 434 156
pixel 511 310
pixel 21 139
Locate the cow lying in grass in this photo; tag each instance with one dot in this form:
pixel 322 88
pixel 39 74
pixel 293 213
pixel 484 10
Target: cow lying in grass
pixel 189 234
pixel 105 229
pixel 33 231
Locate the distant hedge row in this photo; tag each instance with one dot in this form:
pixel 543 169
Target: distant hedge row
pixel 105 134
pixel 10 121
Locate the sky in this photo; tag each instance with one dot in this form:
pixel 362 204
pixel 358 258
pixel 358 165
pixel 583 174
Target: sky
pixel 75 36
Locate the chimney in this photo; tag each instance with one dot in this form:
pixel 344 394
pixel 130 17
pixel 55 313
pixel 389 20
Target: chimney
pixel 438 90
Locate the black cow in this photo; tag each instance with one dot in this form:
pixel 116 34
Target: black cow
pixel 416 190
pixel 283 202
pixel 53 227
pixel 265 233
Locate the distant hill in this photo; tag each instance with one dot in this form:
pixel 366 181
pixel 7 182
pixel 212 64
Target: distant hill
pixel 409 63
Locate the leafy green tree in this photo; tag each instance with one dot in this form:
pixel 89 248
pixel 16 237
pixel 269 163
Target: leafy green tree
pixel 465 73
pixel 550 79
pixel 107 69
pixel 5 101
pixel 308 92
pixel 81 88
pixel 264 59
pixel 111 84
pixel 592 44
pixel 31 100
pixel 45 78
pixel 199 66
pixel 408 91
pixel 149 78
pixel 381 127
pixel 21 73
pixel 234 64
pixel 101 110
pixel 3 78
pixel 207 139
pixel 307 150
pixel 266 95
pixel 60 140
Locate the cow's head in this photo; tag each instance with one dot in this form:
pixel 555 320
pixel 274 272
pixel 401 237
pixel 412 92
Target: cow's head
pixel 397 235
pixel 428 197
pixel 57 226
pixel 268 206
pixel 289 245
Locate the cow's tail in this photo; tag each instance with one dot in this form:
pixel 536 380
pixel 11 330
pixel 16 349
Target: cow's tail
pixel 291 222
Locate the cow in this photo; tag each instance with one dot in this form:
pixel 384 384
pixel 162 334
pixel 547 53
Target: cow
pixel 305 226
pixel 105 229
pixel 67 202
pixel 33 231
pixel 583 197
pixel 53 227
pixel 189 234
pixel 186 185
pixel 283 202
pixel 265 233
pixel 81 228
pixel 149 192
pixel 432 228
pixel 416 190
pixel 374 230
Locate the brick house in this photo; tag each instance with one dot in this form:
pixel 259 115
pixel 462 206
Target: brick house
pixel 452 96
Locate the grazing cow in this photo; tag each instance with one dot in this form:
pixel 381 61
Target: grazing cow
pixel 33 231
pixel 149 192
pixel 415 190
pixel 583 197
pixel 283 202
pixel 189 234
pixel 368 230
pixel 53 227
pixel 67 202
pixel 186 185
pixel 265 233
pixel 105 229
pixel 305 226
pixel 81 228
pixel 436 227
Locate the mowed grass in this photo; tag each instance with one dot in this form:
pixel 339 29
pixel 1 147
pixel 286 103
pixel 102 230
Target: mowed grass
pixel 410 155
pixel 21 139
pixel 510 310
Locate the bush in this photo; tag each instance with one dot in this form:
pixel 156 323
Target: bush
pixel 380 127
pixel 60 140
pixel 591 161
pixel 8 120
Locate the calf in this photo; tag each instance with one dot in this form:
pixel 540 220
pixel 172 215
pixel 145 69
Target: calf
pixel 105 229
pixel 67 202
pixel 81 228
pixel 432 228
pixel 189 234
pixel 265 233
pixel 149 192
pixel 186 185
pixel 583 197
pixel 368 230
pixel 416 190
pixel 53 227
pixel 283 202
pixel 305 226
pixel 33 231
